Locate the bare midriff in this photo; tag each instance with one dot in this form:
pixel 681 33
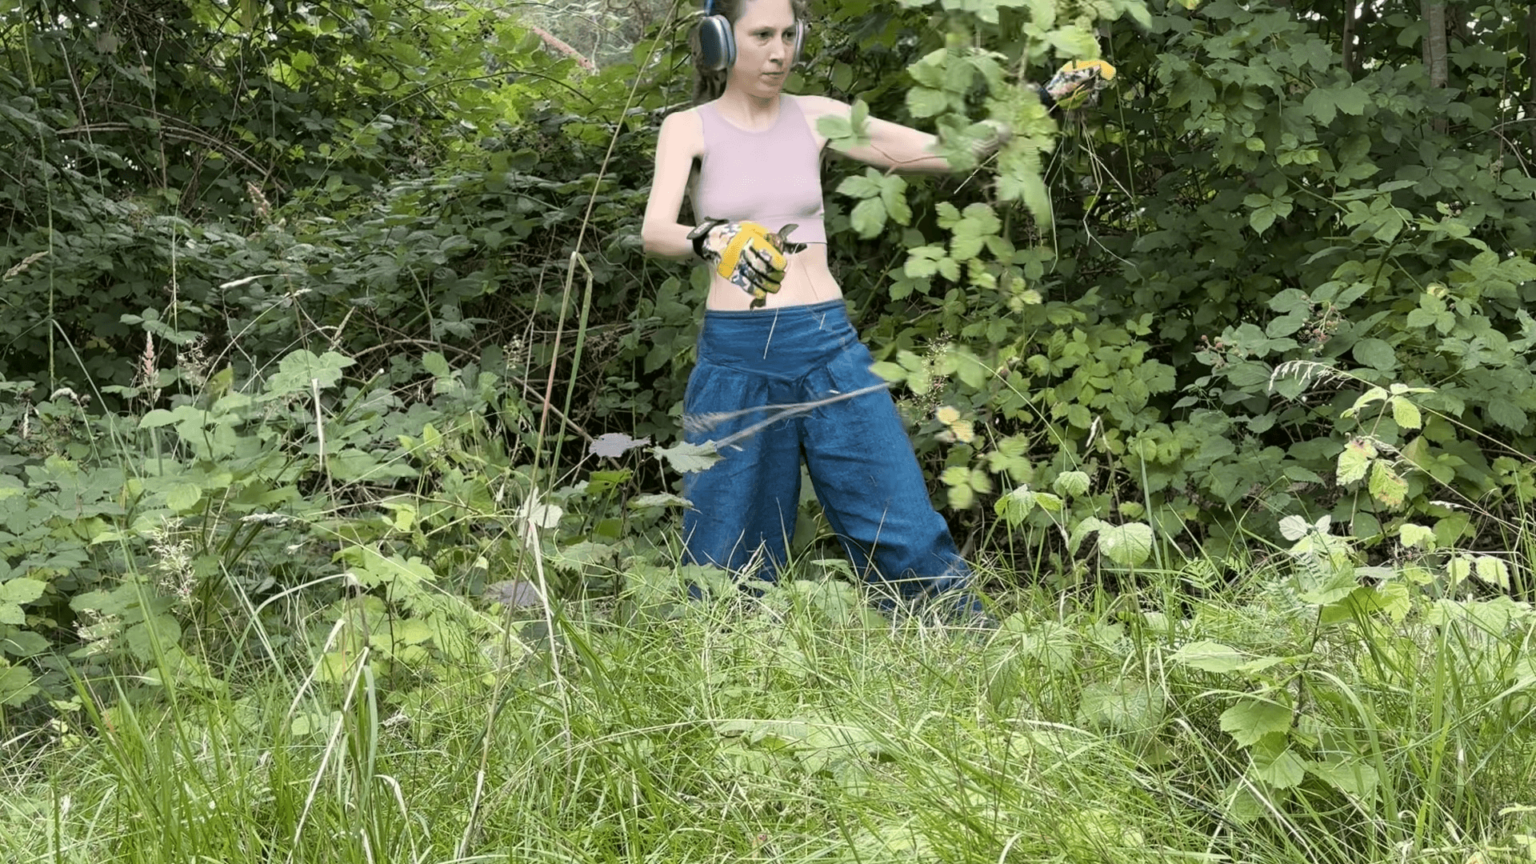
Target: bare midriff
pixel 807 279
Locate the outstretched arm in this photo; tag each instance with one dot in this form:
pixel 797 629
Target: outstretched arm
pixel 900 148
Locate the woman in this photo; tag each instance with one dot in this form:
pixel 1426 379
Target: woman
pixel 776 331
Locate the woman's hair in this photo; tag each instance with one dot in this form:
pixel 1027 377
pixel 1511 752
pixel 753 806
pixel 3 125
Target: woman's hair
pixel 708 85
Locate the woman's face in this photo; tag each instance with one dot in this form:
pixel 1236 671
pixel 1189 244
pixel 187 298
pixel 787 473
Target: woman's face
pixel 765 46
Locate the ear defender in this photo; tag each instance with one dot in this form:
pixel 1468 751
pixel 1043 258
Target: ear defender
pixel 717 42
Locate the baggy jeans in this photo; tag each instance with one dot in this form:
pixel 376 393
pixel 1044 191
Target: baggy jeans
pixel 751 367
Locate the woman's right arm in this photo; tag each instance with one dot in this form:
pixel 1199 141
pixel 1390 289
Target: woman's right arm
pixel 681 141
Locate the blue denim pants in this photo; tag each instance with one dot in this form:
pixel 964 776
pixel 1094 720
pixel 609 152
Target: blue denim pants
pixel 751 365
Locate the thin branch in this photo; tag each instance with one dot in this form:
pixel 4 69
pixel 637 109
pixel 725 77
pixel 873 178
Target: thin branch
pixel 559 45
pixel 185 133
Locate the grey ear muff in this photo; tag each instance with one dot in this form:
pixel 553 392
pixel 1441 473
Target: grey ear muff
pixel 717 47
pixel 717 44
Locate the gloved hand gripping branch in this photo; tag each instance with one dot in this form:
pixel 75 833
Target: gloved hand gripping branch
pixel 746 254
pixel 1071 86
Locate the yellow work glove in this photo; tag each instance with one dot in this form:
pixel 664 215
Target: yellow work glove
pixel 746 254
pixel 1072 83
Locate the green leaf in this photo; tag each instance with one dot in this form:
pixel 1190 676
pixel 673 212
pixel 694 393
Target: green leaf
pixel 925 102
pixel 957 478
pixel 183 497
pixel 1355 460
pixel 21 591
pixel 1251 719
pixel 142 643
pixel 1209 657
pixel 23 643
pixel 1070 484
pixel 860 185
pixel 868 217
pixel 1261 219
pixel 15 684
pixel 157 418
pixel 892 372
pixel 1507 414
pixel 1125 704
pixel 1353 777
pixel 1493 571
pixel 1351 100
pixel 1128 545
pixel 688 458
pixel 1406 413
pixel 1411 535
pixel 301 371
pixel 436 364
pixel 1278 765
pixel 893 193
pixel 658 499
pixel 1319 103
pixel 1376 354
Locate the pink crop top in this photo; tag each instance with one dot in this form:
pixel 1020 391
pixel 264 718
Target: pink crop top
pixel 772 177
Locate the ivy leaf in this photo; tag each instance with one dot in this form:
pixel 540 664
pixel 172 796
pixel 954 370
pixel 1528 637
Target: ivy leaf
pixel 1251 719
pixel 1355 460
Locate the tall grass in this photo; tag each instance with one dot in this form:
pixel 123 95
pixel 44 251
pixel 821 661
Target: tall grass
pixel 801 726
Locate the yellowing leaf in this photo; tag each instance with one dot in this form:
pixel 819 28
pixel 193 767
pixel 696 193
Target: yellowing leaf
pixel 1386 486
pixel 947 415
pixel 1406 413
pixel 1355 460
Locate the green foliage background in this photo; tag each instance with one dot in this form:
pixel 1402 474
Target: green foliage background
pixel 1275 271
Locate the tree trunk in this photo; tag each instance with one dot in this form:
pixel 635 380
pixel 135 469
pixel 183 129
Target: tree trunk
pixel 1435 51
pixel 1530 74
pixel 1349 38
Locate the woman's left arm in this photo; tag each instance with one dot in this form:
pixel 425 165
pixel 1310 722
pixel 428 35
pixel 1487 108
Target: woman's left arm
pixel 891 146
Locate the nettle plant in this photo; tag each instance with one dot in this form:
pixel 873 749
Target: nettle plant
pixel 1246 199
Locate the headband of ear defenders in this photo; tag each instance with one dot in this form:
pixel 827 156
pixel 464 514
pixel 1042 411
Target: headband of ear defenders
pixel 717 42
